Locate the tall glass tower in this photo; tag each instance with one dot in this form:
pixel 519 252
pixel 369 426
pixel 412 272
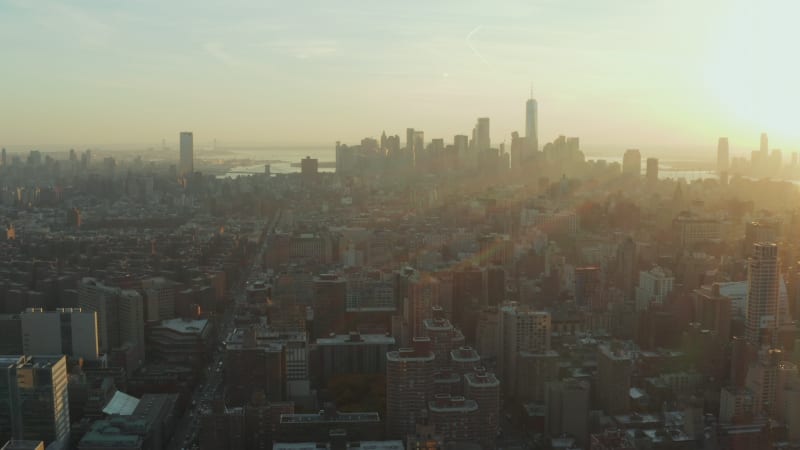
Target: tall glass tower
pixel 34 403
pixel 532 122
pixel 186 163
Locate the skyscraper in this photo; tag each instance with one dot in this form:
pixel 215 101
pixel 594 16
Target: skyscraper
pixel 532 123
pixel 33 398
pixel 186 165
pixel 762 294
pixel 652 170
pixel 764 145
pixel 632 163
pixel 483 141
pixel 723 155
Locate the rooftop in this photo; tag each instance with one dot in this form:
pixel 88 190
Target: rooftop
pixel 185 325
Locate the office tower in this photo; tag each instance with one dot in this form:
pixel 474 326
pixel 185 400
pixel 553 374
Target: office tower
pixel 65 331
pixel 329 303
pixel 723 155
pixel 632 163
pixel 762 294
pixel 567 409
pixel 410 140
pixel 3 158
pixel 764 145
pixel 614 369
pixel 186 163
pixel 419 146
pixel 33 398
pixel 521 329
pixel 461 143
pixel 588 287
pixel 409 386
pixel 652 170
pixel 120 318
pixel 159 298
pixel 483 141
pixel 532 123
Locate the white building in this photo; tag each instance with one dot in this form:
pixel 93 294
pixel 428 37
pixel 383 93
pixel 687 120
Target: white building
pixel 654 286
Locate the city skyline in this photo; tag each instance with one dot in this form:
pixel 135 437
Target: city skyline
pixel 123 75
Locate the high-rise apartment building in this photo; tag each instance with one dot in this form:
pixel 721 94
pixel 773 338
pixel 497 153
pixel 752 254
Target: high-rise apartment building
pixel 762 294
pixel 532 123
pixel 120 317
pixel 723 155
pixel 484 388
pixel 65 331
pixel 409 386
pixel 33 399
pixel 521 329
pixel 186 163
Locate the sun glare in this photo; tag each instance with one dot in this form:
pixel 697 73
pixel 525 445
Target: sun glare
pixel 754 71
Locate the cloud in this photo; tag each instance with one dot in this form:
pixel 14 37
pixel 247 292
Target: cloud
pixel 303 49
pixel 217 50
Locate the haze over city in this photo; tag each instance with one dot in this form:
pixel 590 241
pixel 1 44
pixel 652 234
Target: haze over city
pixel 665 76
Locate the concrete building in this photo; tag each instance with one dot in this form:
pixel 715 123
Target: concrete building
pixel 457 419
pixel 254 365
pixel 654 287
pixel 10 334
pixel 614 370
pixel 484 388
pixel 180 341
pixel 356 426
pixel 159 299
pixel 409 385
pixel 353 353
pixel 65 331
pixel 567 404
pixel 443 336
pixel 521 329
pixel 120 317
pixel 34 399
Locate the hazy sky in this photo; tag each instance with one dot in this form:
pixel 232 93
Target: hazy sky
pixel 619 74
